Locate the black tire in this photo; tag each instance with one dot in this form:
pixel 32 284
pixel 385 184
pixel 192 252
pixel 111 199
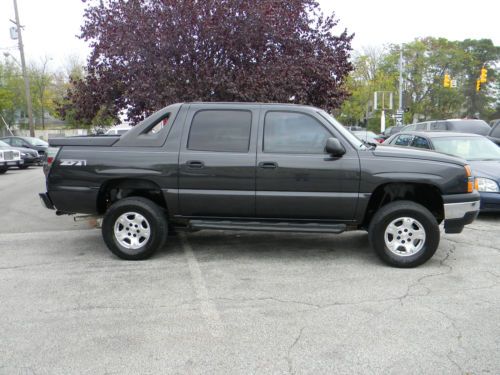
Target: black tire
pixel 419 216
pixel 155 220
pixel 23 166
pixel 3 170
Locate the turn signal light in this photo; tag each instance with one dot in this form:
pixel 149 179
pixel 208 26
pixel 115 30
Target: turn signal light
pixel 470 179
pixel 476 184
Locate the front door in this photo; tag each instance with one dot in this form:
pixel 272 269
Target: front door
pixel 217 161
pixel 295 177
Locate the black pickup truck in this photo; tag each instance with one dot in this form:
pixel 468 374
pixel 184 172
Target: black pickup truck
pixel 264 167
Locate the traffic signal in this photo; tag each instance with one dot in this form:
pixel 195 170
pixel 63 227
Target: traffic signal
pixel 478 85
pixel 447 80
pixel 484 74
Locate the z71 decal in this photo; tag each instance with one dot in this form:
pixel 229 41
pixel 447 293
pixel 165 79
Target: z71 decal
pixel 71 162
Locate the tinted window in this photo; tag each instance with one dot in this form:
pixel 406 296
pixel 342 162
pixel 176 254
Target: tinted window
pixel 403 140
pixel 220 130
pixel 470 126
pixel 420 143
pixel 290 132
pixel 496 131
pixel 438 125
pixel 16 142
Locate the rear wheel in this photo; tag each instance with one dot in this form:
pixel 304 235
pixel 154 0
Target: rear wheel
pixel 23 166
pixel 3 170
pixel 134 228
pixel 404 234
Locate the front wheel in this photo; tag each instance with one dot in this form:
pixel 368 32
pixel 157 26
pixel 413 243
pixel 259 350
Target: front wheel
pixel 23 166
pixel 134 228
pixel 404 234
pixel 3 170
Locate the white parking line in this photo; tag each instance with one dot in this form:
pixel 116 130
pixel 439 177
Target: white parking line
pixel 208 308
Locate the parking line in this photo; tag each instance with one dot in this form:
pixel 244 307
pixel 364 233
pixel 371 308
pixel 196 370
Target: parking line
pixel 208 308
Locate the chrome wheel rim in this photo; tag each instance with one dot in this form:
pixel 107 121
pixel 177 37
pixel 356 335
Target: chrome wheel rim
pixel 132 230
pixel 404 236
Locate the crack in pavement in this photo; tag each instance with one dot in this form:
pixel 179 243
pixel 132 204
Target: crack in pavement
pixel 459 336
pixel 289 352
pixel 420 279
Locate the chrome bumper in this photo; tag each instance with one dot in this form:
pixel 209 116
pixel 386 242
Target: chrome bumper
pixel 460 210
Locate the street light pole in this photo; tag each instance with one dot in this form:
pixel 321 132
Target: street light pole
pixel 25 73
pixel 401 77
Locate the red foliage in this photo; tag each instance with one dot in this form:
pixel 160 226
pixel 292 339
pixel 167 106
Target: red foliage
pixel 147 54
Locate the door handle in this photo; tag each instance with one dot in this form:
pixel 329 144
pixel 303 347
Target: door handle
pixel 268 164
pixel 195 164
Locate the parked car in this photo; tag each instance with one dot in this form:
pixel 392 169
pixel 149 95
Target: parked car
pixel 367 136
pixel 28 155
pixel 481 154
pixel 253 166
pixel 494 134
pixel 28 142
pixel 455 125
pixel 9 158
pixel 390 131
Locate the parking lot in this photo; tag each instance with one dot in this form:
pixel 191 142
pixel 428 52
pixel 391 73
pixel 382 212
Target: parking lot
pixel 216 302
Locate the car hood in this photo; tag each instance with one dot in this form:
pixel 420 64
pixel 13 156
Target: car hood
pixel 411 153
pixel 486 168
pixel 25 150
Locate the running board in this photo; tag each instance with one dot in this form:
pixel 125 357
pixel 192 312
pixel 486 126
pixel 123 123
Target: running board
pixel 267 226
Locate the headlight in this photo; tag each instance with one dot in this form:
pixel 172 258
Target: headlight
pixel 23 154
pixel 485 184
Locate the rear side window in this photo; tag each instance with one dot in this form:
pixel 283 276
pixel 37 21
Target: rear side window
pixel 220 130
pixel 438 125
pixel 403 140
pixel 496 131
pixel 421 126
pixel 294 133
pixel 420 143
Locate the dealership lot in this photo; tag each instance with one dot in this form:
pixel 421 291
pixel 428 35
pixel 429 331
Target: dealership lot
pixel 227 302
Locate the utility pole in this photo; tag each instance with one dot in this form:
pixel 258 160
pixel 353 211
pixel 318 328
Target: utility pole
pixel 401 78
pixel 399 112
pixel 25 73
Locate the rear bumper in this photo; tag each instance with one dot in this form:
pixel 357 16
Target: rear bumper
pixel 460 210
pixel 46 201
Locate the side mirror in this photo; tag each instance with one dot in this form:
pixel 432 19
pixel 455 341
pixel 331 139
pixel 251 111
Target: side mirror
pixel 334 147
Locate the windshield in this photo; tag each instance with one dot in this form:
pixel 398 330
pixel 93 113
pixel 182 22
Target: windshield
pixel 3 144
pixel 346 133
pixel 468 148
pixel 36 142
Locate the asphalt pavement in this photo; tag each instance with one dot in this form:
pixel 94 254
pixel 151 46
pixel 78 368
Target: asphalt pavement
pixel 216 302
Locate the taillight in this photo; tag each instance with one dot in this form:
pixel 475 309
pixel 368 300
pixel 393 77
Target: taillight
pixel 470 179
pixel 51 156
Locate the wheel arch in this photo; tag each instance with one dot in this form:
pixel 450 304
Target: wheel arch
pixel 113 190
pixel 428 195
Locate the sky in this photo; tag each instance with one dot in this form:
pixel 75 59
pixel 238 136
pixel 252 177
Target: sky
pixel 52 26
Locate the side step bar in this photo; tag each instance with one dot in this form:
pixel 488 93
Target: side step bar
pixel 268 226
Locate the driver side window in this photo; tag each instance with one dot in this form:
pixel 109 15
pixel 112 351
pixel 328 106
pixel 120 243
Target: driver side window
pixel 294 133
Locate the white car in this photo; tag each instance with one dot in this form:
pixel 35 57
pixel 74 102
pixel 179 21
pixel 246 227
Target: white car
pixel 9 158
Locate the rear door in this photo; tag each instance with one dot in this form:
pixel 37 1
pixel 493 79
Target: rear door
pixel 295 177
pixel 217 161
